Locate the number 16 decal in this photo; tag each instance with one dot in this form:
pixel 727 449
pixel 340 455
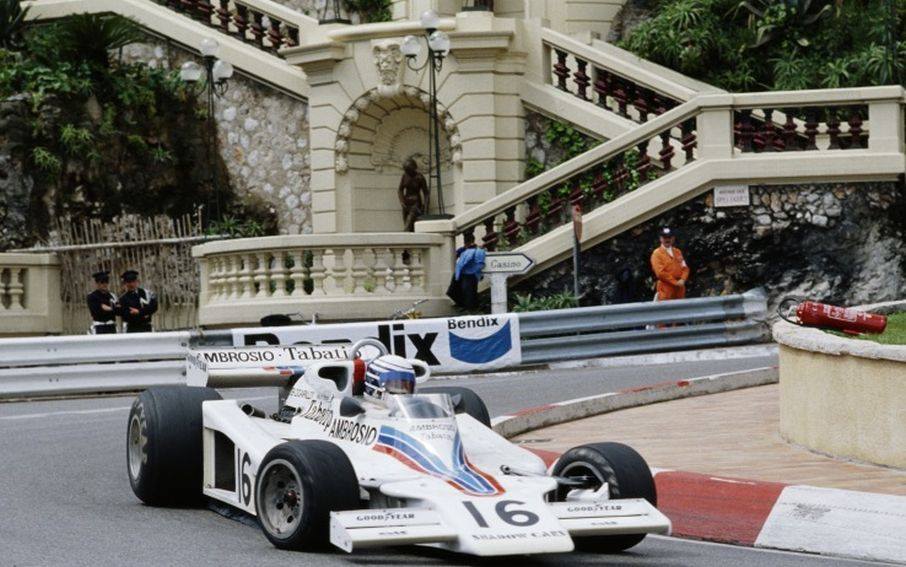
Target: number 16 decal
pixel 244 488
pixel 505 511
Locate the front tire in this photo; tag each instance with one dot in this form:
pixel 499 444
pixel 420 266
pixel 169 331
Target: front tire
pixel 468 402
pixel 627 476
pixel 299 484
pixel 164 445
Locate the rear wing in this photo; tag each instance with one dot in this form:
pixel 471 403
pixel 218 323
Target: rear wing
pixel 253 367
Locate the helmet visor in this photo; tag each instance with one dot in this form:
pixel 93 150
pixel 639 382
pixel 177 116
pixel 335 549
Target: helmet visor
pixel 398 382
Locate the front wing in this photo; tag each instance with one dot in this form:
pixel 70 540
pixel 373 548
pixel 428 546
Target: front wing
pixel 361 529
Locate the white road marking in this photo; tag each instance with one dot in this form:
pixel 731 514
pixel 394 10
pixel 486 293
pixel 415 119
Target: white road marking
pixel 94 411
pixel 765 550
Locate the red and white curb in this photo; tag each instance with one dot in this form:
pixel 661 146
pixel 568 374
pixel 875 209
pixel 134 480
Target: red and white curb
pixel 771 515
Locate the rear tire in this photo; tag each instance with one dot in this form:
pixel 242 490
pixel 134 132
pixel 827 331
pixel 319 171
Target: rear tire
pixel 299 484
pixel 164 445
pixel 469 402
pixel 627 476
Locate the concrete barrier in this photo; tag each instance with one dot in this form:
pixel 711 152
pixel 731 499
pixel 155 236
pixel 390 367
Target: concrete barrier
pixel 843 397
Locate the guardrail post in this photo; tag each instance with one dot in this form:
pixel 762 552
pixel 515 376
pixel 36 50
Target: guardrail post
pixel 715 127
pixel 886 133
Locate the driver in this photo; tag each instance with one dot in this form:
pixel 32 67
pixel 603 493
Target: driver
pixel 388 374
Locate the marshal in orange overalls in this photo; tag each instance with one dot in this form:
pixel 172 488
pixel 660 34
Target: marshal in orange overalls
pixel 669 267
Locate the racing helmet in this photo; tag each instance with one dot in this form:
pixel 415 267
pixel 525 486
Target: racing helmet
pixel 389 374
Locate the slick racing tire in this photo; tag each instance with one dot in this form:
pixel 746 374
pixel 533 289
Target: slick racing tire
pixel 627 476
pixel 299 484
pixel 164 445
pixel 465 400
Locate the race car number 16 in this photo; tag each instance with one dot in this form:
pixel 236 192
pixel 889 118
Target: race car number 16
pixel 506 512
pixel 245 487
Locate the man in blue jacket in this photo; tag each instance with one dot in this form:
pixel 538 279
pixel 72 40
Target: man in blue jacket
pixel 469 265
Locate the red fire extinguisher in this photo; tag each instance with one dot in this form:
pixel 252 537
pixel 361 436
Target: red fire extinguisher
pixel 814 314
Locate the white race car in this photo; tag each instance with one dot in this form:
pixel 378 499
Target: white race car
pixel 332 466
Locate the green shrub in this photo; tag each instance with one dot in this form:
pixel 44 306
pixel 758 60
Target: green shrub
pixel 562 300
pixel 777 44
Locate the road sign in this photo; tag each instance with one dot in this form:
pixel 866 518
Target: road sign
pixel 507 263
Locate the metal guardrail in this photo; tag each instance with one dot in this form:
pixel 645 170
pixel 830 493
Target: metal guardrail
pixel 633 328
pixel 53 366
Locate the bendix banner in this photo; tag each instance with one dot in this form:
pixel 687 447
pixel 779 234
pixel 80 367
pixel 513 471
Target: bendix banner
pixel 454 344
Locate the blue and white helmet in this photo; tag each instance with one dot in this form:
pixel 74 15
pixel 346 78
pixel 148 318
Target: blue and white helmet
pixel 389 374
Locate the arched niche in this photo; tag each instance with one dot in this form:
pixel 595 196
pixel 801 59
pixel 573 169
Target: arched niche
pixel 377 135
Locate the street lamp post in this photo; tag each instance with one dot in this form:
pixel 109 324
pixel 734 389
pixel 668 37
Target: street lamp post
pixel 438 48
pixel 211 79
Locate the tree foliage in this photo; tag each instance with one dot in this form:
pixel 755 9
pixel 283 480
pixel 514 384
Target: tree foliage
pixel 777 44
pixel 12 22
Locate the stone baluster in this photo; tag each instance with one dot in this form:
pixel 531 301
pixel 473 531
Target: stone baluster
pixel 557 205
pixel 187 7
pixel 856 140
pixel 533 217
pixel 620 173
pixel 16 289
pixel 790 141
pixel 811 128
pixel 359 271
pixel 666 154
pixel 401 279
pixel 338 273
pixel 213 278
pixel 621 96
pixel 602 86
pixel 241 19
pixel 581 79
pixel 746 130
pixel 246 276
pixel 642 103
pixel 833 128
pixel 599 185
pixel 382 271
pixel 298 273
pixel 274 37
pixel 644 163
pixel 234 276
pixel 257 28
pixel 490 235
pixel 561 71
pixel 258 286
pixel 510 226
pixel 768 131
pixel 318 272
pixel 204 9
pixel 279 274
pixel 223 15
pixel 689 139
pixel 417 269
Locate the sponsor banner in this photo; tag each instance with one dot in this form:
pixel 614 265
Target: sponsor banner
pixel 455 344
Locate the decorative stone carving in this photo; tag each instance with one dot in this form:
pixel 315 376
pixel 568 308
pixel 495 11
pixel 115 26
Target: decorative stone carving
pixel 393 150
pixel 388 58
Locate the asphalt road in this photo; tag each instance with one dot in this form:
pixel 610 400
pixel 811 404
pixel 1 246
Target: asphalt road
pixel 65 496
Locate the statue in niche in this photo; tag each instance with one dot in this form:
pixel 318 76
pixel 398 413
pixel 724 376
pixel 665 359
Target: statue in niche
pixel 413 194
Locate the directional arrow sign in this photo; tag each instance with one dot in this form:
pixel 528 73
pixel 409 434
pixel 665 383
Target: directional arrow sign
pixel 507 263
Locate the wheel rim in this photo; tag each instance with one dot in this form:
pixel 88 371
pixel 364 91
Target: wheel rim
pixel 280 499
pixel 577 470
pixel 137 441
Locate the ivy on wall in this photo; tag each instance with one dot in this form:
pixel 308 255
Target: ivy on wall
pixel 371 10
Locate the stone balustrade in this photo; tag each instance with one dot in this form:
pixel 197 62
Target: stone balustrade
pixel 337 276
pixel 684 151
pixel 30 301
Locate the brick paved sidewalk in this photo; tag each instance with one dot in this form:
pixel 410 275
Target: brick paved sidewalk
pixel 733 434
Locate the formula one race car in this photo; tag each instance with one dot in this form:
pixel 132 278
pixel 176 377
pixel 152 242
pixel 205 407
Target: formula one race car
pixel 357 458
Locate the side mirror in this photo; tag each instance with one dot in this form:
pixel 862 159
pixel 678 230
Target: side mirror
pixel 350 407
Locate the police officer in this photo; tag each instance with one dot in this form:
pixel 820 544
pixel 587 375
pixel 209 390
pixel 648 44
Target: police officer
pixel 102 305
pixel 137 305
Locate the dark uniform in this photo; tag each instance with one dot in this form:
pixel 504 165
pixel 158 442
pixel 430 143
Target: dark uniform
pixel 142 300
pixel 102 322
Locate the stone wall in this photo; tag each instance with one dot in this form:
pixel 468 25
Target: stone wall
pixel 263 138
pixel 542 153
pixel 840 243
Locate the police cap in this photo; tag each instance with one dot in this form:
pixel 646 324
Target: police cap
pixel 101 277
pixel 129 276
